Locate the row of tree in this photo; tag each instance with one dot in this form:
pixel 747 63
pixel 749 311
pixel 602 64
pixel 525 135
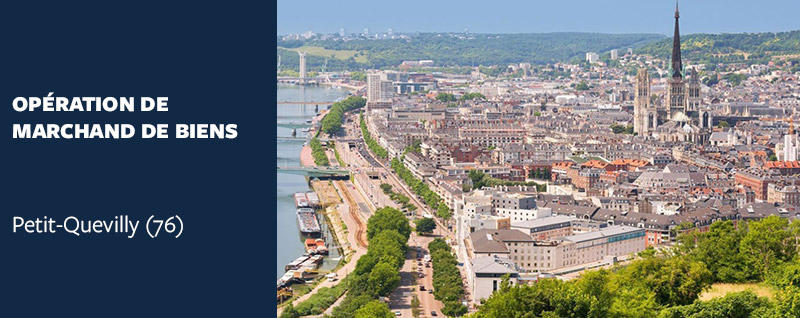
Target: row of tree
pixel 318 152
pixel 480 180
pixel 668 283
pixel 449 97
pixel 398 197
pixel 377 272
pixel 433 200
pixel 332 123
pixel 447 283
pixel 371 143
pixel 540 173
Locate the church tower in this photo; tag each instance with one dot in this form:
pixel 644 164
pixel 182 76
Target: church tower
pixel 676 92
pixel 694 92
pixel 645 118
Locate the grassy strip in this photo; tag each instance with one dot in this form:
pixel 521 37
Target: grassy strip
pixel 332 123
pixel 372 143
pixel 447 283
pixel 433 200
pixel 320 158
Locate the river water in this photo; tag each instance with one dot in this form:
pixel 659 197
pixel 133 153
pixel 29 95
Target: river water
pixel 289 239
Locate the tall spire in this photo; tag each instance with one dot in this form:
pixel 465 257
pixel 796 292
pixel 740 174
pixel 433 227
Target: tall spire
pixel 677 66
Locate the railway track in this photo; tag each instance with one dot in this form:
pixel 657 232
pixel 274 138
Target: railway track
pixel 361 233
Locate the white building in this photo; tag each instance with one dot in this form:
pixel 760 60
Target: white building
pixel 790 147
pixel 524 214
pixel 303 73
pixel 487 274
pixel 614 54
pixel 592 57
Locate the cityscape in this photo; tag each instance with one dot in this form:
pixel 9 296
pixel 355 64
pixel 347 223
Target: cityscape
pixel 653 176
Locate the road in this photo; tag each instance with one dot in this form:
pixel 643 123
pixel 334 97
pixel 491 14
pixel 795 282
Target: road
pixel 400 299
pixel 354 213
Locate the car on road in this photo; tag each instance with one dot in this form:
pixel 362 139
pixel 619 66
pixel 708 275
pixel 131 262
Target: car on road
pixel 433 313
pixel 421 275
pixel 397 313
pixel 422 287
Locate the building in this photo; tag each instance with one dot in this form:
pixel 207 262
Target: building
pixel 547 228
pixel 592 57
pixel 683 119
pixel 790 144
pixel 523 214
pixel 379 91
pixel 612 241
pixel 488 273
pixel 512 244
pixel 614 54
pixel 645 117
pixel 303 73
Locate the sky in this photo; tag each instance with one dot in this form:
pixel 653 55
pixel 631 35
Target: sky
pixel 537 16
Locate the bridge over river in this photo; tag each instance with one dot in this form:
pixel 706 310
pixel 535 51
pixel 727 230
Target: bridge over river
pixel 317 172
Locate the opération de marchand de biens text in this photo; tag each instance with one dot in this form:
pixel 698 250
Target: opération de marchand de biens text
pixel 52 103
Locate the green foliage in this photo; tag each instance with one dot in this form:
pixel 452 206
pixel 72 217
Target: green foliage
pixel 445 97
pixel 387 218
pixel 719 250
pixel 480 179
pixel 734 79
pixel 320 158
pixel 289 312
pixel 729 48
pixel 447 49
pixel 372 143
pixel 734 305
pixel 540 173
pixel 582 86
pixel 471 96
pixel 321 300
pixel 723 124
pixel 620 129
pixel 421 189
pixel 425 225
pixel 768 243
pixel 384 278
pixel 332 123
pixel 668 285
pixel 374 309
pixel 358 76
pixel 672 280
pixel 376 273
pixel 415 146
pixel 447 284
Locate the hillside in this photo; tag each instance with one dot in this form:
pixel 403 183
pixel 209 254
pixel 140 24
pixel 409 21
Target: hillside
pixel 727 48
pixel 450 49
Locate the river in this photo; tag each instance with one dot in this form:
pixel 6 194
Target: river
pixel 289 239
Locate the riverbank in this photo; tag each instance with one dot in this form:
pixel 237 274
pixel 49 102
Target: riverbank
pixel 306 159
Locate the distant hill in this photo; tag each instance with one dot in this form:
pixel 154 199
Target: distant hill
pixel 727 48
pixel 454 49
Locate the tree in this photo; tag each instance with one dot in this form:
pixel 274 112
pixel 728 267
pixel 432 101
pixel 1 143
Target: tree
pixel 384 278
pixel 454 309
pixel 723 124
pixel 767 243
pixel 425 225
pixel 289 312
pixel 445 97
pixel 374 309
pixel 719 250
pixel 387 218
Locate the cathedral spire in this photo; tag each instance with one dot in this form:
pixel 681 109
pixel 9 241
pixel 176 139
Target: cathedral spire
pixel 677 66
